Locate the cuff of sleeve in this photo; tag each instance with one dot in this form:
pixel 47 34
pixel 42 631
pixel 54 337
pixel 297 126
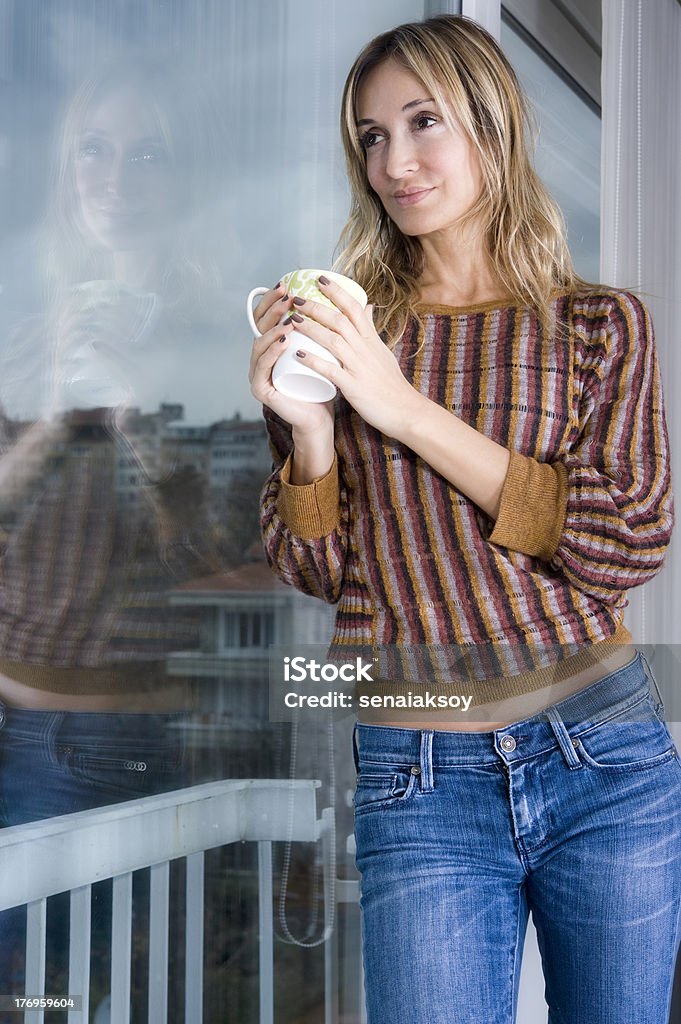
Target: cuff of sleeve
pixel 311 510
pixel 533 507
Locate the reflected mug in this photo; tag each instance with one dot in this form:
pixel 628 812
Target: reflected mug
pixel 116 314
pixel 289 376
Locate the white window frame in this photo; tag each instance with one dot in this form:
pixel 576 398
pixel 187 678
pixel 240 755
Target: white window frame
pixel 568 33
pixel 569 36
pixel 486 12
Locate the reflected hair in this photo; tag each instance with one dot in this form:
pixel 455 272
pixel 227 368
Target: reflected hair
pixel 467 74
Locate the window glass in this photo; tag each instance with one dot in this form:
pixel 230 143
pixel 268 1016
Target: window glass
pixel 158 159
pixel 568 149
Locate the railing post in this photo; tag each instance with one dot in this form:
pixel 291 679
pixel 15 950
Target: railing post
pixel 193 986
pixel 266 931
pixel 159 887
pixel 79 952
pixel 121 948
pixel 331 946
pixel 36 941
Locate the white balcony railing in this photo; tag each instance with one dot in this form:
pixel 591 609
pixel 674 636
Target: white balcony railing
pixel 72 852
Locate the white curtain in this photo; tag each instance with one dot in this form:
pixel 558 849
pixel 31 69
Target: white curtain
pixel 640 225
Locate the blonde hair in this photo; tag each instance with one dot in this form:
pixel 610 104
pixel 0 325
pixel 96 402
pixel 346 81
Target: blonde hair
pixel 467 74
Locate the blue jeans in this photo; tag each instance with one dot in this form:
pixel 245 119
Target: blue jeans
pixel 56 762
pixel 573 814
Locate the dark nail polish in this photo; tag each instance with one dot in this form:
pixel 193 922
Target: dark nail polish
pixel 283 298
pixel 298 301
pixel 282 339
pixel 277 285
pixel 324 280
pixel 287 321
pixel 300 353
pixel 298 319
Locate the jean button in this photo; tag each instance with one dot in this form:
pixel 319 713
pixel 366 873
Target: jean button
pixel 508 744
pixel 415 770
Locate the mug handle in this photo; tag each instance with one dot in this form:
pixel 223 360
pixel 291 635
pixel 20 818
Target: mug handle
pixel 249 309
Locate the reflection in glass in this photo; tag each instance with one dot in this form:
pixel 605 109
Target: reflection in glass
pixel 110 503
pixel 146 150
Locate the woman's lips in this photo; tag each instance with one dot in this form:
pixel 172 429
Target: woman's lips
pixel 409 198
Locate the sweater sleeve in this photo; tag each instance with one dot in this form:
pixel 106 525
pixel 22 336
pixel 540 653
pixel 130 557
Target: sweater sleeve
pixel 603 514
pixel 304 527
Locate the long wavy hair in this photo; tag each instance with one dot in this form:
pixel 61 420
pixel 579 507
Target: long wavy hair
pixel 465 71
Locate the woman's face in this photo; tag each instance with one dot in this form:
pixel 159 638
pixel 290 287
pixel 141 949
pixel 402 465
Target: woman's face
pixel 125 182
pixel 426 174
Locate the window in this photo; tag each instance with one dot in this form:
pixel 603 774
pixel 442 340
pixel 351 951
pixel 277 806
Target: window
pixel 568 150
pixel 246 629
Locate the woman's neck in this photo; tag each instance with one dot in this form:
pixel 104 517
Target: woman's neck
pixel 138 268
pixel 458 273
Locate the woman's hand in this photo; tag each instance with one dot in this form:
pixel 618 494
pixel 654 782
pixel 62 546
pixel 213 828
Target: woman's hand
pixel 99 360
pixel 307 418
pixel 369 375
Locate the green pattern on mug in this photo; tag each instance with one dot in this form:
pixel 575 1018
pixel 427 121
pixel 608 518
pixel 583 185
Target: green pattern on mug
pixel 304 284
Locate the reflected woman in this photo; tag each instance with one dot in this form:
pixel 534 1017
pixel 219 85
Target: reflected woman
pixel 88 559
pixel 97 524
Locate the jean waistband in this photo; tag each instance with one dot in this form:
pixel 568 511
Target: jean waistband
pixel 76 725
pixel 621 694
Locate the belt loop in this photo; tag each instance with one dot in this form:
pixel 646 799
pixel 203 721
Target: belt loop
pixel 355 748
pixel 563 738
pixel 426 761
pixel 50 735
pixel 653 681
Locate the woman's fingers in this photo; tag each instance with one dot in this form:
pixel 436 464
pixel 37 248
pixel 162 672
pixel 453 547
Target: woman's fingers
pixel 331 340
pixel 342 326
pixel 333 319
pixel 329 370
pixel 353 310
pixel 266 350
pixel 271 308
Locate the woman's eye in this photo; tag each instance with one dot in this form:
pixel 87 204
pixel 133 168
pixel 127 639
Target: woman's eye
pixel 423 121
pixel 90 149
pixel 370 139
pixel 148 157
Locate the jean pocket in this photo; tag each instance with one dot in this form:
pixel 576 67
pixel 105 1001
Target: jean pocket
pixel 628 745
pixel 378 788
pixel 130 773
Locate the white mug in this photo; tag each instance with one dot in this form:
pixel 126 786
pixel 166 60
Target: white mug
pixel 289 376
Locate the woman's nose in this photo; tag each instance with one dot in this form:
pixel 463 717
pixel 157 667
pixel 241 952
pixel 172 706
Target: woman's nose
pixel 401 158
pixel 117 177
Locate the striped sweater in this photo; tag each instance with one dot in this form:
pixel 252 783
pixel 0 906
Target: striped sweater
pixel 85 577
pixel 424 579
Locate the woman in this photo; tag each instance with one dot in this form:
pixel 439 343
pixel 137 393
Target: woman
pixel 82 644
pixel 97 525
pixel 492 478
